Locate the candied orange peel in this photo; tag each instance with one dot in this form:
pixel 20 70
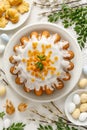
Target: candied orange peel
pixel 39 63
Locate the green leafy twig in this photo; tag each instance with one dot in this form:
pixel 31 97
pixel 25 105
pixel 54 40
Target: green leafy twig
pixel 2 114
pixel 16 126
pixel 60 125
pixel 73 16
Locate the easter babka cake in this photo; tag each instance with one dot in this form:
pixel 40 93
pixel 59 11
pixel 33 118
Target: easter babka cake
pixel 42 62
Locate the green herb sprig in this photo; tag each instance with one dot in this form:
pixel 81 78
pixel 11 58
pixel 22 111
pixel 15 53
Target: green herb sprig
pixel 39 65
pixel 2 114
pixel 16 126
pixel 73 16
pixel 42 57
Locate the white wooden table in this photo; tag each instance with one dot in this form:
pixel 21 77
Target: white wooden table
pixel 11 94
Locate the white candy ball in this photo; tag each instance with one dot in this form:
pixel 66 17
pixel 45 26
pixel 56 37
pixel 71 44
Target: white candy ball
pixel 6 123
pixel 71 107
pixel 2 90
pixel 83 116
pixel 2 47
pixel 76 99
pixel 4 37
pixel 83 83
pixel 85 70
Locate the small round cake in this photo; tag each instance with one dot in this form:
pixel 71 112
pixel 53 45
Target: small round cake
pixel 42 62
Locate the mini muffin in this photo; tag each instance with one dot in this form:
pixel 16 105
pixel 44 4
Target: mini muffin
pixel 23 7
pixel 12 15
pixel 69 56
pixel 15 2
pixel 18 81
pixel 26 89
pixel 38 92
pixel 46 34
pixel 67 76
pixel 35 34
pixel 60 84
pixel 6 4
pixel 3 22
pixel 2 9
pixel 57 38
pixel 24 38
pixel 48 90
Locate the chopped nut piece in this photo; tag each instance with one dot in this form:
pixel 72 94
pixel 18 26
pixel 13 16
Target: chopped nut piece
pixel 10 109
pixel 22 107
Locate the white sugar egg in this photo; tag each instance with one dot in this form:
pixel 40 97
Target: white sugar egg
pixel 7 123
pixel 85 70
pixel 82 83
pixel 76 99
pixel 2 47
pixel 72 107
pixel 4 37
pixel 76 113
pixel 2 90
pixel 83 116
pixel 83 98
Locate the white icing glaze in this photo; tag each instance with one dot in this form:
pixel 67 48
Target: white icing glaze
pixel 62 43
pixel 65 53
pixel 26 76
pixel 65 63
pixel 17 58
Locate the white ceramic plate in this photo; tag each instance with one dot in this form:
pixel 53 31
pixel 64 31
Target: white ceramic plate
pixel 75 72
pixel 23 18
pixel 68 100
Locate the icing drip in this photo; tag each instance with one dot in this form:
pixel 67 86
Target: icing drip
pixel 65 63
pixel 62 43
pixel 17 58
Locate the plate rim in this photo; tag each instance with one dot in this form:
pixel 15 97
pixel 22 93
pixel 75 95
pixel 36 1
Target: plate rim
pixel 68 99
pixel 51 24
pixel 28 14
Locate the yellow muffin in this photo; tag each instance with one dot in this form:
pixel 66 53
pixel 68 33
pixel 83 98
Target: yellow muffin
pixel 6 4
pixel 2 9
pixel 15 2
pixel 23 7
pixel 12 15
pixel 3 22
